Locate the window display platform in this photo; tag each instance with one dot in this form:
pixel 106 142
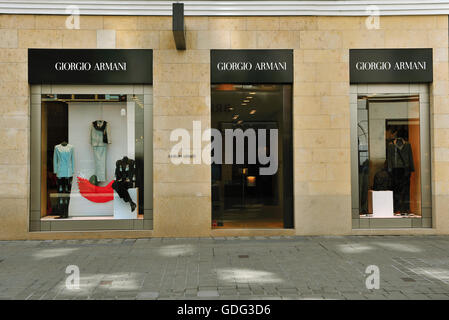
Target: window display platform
pixel 393 217
pixel 56 217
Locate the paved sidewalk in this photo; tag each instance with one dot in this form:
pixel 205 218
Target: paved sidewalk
pixel 411 267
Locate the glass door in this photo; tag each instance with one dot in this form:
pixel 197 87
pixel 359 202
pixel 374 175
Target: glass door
pixel 252 184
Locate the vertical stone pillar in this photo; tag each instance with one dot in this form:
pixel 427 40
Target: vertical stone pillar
pixel 182 193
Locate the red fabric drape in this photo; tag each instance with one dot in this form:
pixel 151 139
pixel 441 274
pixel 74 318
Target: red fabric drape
pixel 95 193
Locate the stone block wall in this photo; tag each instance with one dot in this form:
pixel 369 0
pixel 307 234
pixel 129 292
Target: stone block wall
pixel 182 199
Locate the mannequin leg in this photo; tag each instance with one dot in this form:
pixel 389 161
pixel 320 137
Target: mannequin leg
pixel 60 200
pixel 396 190
pixel 402 182
pixel 406 199
pixel 122 189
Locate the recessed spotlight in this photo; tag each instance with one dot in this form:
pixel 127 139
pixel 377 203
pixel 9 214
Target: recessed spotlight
pixel 243 104
pixel 235 117
pixel 239 122
pixel 246 101
pixel 253 111
pixel 249 97
pixel 252 93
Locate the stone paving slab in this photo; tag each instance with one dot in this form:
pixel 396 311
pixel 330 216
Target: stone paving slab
pixel 259 268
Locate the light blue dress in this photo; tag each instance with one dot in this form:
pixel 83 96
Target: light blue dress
pixel 63 161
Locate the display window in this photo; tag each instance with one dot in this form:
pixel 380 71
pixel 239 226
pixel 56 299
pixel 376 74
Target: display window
pixel 390 157
pixel 91 158
pixel 252 188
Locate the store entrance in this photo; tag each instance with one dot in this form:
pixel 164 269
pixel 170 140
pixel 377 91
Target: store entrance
pixel 252 185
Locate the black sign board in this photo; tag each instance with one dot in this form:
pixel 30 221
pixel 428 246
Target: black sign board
pixel 390 65
pixel 251 66
pixel 90 66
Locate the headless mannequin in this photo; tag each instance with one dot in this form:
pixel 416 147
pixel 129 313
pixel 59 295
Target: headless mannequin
pixel 125 174
pixel 64 187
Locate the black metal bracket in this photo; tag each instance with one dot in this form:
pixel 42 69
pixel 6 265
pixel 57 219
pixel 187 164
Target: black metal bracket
pixel 179 29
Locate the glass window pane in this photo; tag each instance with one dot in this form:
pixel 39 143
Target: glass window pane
pixel 92 156
pixel 389 147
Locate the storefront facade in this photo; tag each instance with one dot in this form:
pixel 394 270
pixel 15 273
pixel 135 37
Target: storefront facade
pixel 335 125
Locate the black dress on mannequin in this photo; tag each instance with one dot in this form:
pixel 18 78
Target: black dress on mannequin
pixel 125 178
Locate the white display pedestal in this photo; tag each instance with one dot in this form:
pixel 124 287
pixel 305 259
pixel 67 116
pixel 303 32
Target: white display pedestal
pixel 380 204
pixel 81 207
pixel 122 209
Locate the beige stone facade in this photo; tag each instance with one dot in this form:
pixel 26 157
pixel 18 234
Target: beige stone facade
pixel 181 89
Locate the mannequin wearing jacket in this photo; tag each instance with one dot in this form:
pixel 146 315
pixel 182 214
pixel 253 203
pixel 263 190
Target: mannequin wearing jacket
pixel 125 178
pixel 99 138
pixel 63 167
pixel 400 165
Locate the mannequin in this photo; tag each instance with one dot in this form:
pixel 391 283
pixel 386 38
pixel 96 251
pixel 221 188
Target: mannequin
pixel 63 167
pixel 125 174
pixel 400 165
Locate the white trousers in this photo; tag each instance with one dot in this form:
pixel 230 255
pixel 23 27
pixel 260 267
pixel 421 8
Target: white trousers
pixel 100 162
